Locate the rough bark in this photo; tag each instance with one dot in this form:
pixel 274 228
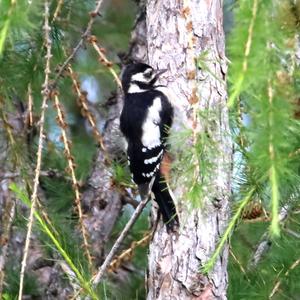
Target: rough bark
pixel 178 32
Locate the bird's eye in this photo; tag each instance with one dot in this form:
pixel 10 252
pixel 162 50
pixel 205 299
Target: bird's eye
pixel 148 74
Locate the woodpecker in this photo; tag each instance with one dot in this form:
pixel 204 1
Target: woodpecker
pixel 145 121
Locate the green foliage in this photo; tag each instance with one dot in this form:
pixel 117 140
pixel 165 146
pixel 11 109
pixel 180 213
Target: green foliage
pixel 195 164
pixel 121 174
pixel 54 237
pixel 265 127
pixel 15 22
pixel 263 80
pixel 259 282
pixel 264 90
pixel 31 286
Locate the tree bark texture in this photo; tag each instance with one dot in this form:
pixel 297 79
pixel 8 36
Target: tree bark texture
pixel 178 33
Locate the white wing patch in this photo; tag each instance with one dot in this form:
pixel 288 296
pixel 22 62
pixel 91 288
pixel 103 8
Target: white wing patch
pixel 148 175
pixel 151 131
pixel 153 159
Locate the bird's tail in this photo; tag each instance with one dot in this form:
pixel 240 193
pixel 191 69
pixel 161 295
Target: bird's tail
pixel 165 202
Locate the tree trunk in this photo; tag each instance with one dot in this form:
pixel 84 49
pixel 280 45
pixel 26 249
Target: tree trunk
pixel 179 33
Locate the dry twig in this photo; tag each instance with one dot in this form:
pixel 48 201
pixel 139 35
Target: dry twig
pixel 103 59
pixel 278 283
pixel 71 168
pixel 86 33
pixel 127 254
pixel 30 105
pixel 57 10
pixel 101 271
pixel 45 93
pixel 85 109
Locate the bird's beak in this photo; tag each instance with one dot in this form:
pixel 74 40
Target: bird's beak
pixel 159 72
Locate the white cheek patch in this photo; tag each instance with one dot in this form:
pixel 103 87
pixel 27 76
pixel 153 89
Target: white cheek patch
pixel 139 77
pixel 151 131
pixel 135 89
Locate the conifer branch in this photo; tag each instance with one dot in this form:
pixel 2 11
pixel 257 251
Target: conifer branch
pixel 45 93
pixel 265 242
pixel 127 254
pixel 48 231
pixel 278 283
pixel 86 33
pixel 238 85
pixel 238 263
pixel 57 10
pixel 103 59
pixel 211 262
pixel 273 172
pixel 30 106
pixel 85 111
pixel 5 28
pixel 71 169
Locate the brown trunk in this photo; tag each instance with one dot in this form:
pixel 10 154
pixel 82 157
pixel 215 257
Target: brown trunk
pixel 179 32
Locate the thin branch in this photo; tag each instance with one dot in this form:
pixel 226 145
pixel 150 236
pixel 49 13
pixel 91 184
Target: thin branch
pixel 30 106
pixel 127 254
pixel 278 283
pixel 71 168
pixel 57 10
pixel 85 109
pixel 238 85
pixel 103 59
pixel 238 263
pixel 101 271
pixel 86 33
pixel 211 262
pixel 273 170
pixel 45 93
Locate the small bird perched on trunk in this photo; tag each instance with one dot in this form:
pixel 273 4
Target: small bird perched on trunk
pixel 145 120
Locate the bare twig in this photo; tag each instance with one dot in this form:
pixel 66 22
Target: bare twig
pixel 45 93
pixel 86 33
pixel 30 105
pixel 101 271
pixel 71 168
pixel 238 263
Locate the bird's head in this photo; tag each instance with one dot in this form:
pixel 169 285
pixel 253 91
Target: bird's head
pixel 139 77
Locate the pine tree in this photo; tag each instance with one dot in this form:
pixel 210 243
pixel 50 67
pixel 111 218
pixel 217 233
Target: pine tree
pixel 64 182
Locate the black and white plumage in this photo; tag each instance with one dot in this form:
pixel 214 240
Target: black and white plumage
pixel 146 116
